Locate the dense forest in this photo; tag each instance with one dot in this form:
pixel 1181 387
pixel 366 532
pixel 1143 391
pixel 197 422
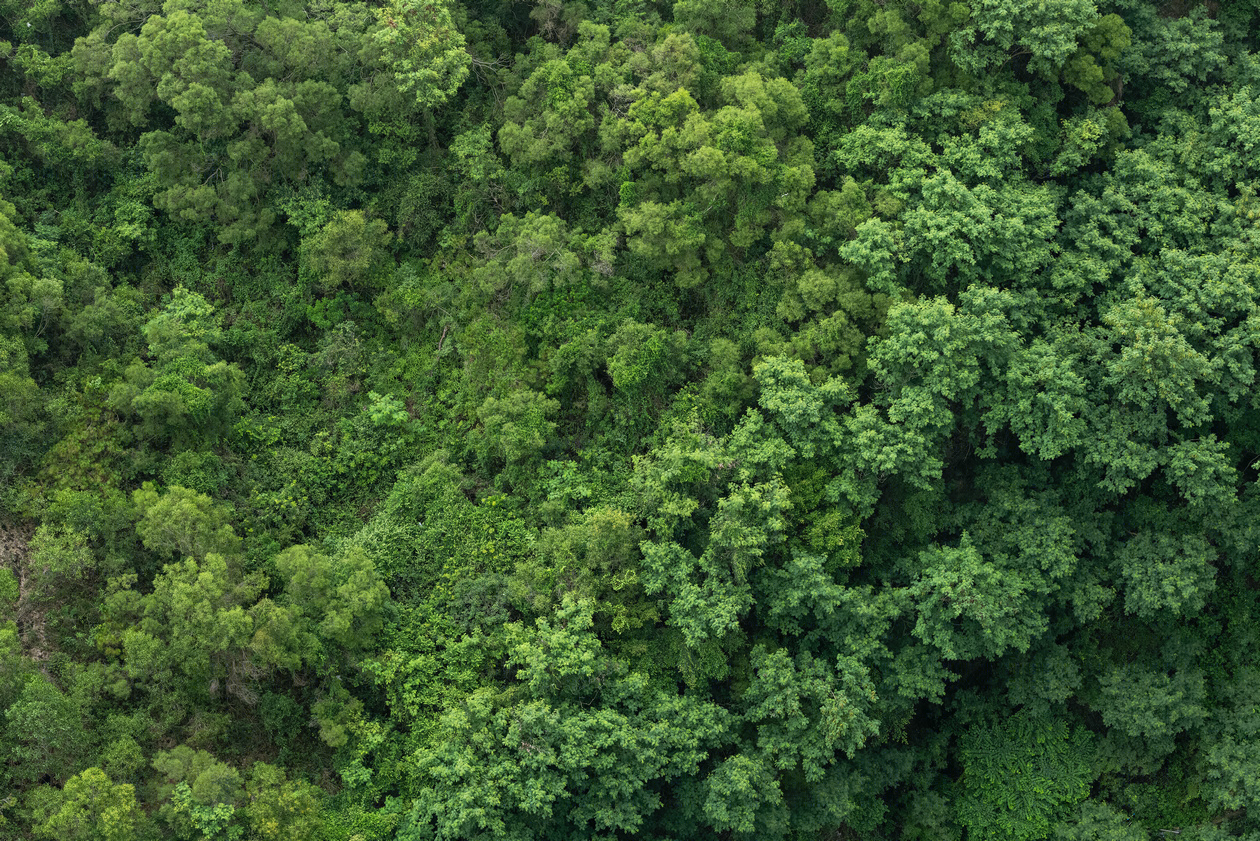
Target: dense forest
pixel 629 419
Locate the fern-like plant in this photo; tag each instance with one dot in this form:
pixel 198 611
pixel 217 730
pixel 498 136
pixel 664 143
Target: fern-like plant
pixel 1020 776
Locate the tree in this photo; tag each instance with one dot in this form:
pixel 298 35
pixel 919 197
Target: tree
pixel 234 102
pixel 337 603
pixel 44 732
pixel 667 420
pixel 194 630
pixel 1166 572
pixel 279 809
pixel 186 393
pixel 729 22
pixel 424 50
pixel 516 429
pixel 1019 777
pixel 92 807
pixel 969 608
pixel 704 183
pixel 349 250
pixel 538 253
pixel 24 297
pixel 585 749
pixel 203 793
pixel 184 523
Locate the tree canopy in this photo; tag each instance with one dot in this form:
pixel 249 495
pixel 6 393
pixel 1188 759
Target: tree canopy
pixel 661 419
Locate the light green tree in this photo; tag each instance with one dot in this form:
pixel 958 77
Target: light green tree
pixel 92 807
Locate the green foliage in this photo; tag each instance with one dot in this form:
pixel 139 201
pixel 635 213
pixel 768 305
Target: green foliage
pixel 349 250
pixel 1019 777
pixel 10 590
pixel 44 732
pixel 91 807
pixel 232 100
pixel 516 429
pixel 643 358
pixel 1150 704
pixel 424 50
pixel 184 523
pixel 969 608
pixel 207 821
pixel 585 752
pixel 730 22
pixel 1099 821
pixel 592 557
pixel 539 253
pixel 341 599
pixel 59 558
pixel 211 800
pixel 1165 573
pixel 735 792
pixel 194 628
pixel 651 420
pixel 186 392
pixel 278 809
pixel 807 711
